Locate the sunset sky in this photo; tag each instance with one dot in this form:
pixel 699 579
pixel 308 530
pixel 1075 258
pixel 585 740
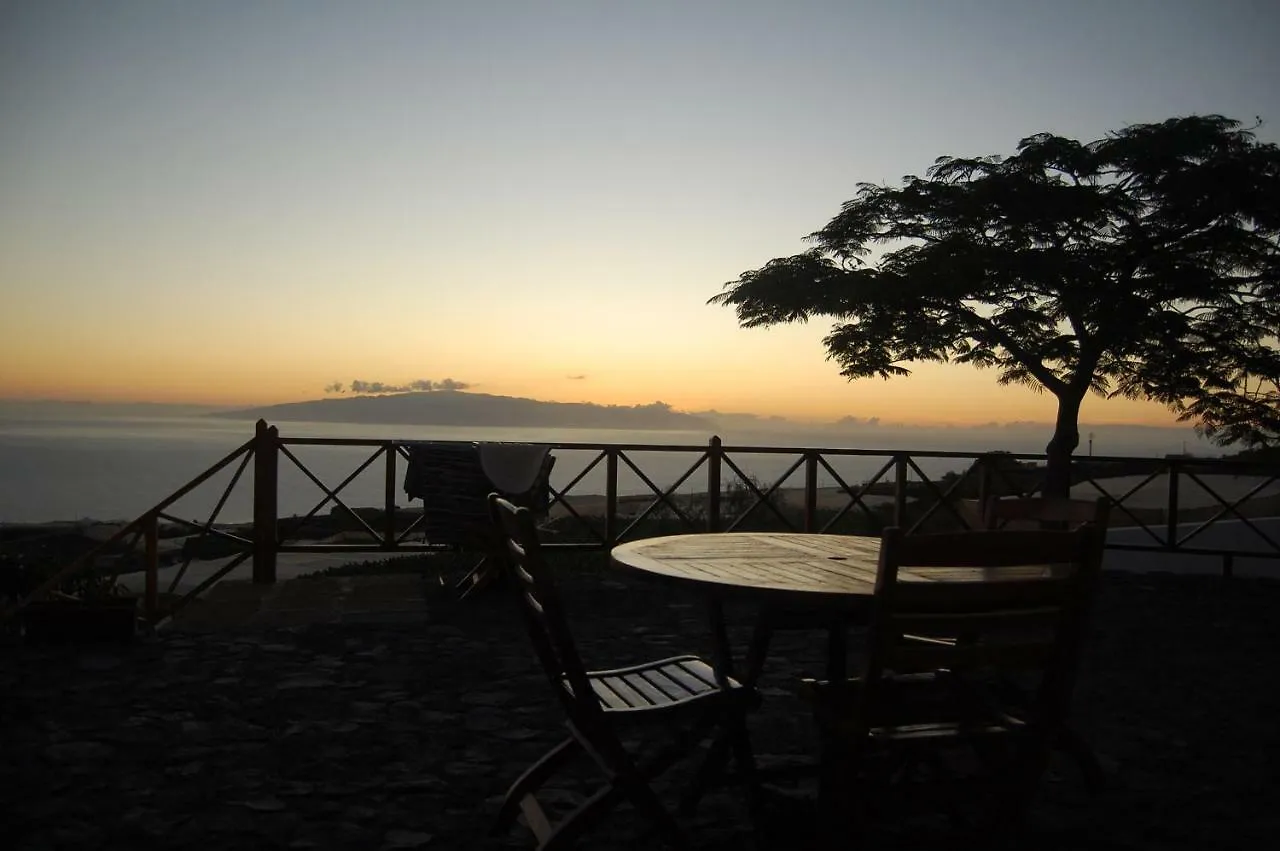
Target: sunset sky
pixel 243 202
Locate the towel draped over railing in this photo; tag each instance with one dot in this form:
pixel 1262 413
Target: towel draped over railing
pixel 454 479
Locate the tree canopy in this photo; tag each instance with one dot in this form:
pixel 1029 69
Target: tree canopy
pixel 1142 265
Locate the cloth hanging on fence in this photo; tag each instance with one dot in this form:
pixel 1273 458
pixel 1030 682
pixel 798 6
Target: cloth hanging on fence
pixel 513 468
pixel 454 480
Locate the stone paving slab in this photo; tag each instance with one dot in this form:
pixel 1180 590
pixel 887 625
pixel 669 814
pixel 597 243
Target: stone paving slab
pixel 404 735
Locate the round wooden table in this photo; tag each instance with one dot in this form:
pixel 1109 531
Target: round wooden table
pixel 821 582
pixel 793 579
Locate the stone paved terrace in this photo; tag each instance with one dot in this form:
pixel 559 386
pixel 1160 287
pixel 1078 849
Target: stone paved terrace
pixel 399 721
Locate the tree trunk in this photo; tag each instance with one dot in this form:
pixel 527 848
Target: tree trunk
pixel 1066 437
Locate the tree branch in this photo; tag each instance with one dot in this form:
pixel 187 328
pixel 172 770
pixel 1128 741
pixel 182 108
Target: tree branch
pixel 1033 364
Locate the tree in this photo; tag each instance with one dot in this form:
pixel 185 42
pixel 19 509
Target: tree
pixel 1141 265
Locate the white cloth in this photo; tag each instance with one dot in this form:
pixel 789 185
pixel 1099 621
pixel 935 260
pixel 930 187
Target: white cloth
pixel 513 468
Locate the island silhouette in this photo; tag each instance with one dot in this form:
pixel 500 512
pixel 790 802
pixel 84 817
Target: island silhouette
pixel 460 408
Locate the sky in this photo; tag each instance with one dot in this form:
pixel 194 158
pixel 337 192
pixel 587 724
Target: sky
pixel 244 202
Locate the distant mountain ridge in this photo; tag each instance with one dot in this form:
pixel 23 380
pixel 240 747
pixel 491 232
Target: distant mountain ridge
pixel 459 408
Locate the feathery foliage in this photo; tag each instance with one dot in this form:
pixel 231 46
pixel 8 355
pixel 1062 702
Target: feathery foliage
pixel 1142 265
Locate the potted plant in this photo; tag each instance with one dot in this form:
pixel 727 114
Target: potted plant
pixel 90 606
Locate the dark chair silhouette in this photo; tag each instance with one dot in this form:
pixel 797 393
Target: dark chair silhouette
pixel 1047 513
pixel 920 710
pixel 450 478
pixel 678 695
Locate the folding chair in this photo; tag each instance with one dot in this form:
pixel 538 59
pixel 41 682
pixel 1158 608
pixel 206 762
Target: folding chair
pixel 920 710
pixel 679 695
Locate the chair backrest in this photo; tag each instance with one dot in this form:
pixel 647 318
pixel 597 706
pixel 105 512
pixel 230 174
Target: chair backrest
pixel 1045 512
pixel 541 608
pixel 1018 599
pixel 450 478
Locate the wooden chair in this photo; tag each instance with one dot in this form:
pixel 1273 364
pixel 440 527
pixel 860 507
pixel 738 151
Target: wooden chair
pixel 1041 512
pixel 450 479
pixel 919 702
pixel 1045 512
pixel 679 695
pixel 996 513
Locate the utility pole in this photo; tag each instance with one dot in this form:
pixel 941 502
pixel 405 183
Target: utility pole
pixel 1090 444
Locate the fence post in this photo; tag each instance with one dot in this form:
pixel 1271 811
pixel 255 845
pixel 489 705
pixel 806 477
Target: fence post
pixel 715 452
pixel 611 496
pixel 266 468
pixel 389 504
pixel 151 596
pixel 899 489
pixel 810 491
pixel 1171 511
pixel 985 482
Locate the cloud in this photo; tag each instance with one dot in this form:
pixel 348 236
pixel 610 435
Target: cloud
pixel 576 377
pixel 360 387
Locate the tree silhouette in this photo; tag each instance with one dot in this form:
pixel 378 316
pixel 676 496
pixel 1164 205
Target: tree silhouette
pixel 1141 265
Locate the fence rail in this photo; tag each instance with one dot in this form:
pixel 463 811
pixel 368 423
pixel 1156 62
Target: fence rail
pixel 709 488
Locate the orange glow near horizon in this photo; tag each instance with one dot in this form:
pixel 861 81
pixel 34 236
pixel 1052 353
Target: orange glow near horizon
pixel 934 396
pixel 609 355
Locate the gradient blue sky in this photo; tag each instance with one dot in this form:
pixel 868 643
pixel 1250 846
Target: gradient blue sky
pixel 245 201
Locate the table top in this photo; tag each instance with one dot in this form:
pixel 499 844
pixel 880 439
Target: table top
pixel 814 568
pixel 760 564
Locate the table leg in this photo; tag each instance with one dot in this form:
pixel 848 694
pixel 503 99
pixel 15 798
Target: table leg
pixel 761 638
pixel 837 651
pixel 837 647
pixel 733 738
pixel 722 651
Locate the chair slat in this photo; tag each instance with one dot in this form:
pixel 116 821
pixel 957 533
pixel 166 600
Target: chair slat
pixel 917 657
pixel 676 683
pixel 988 549
pixel 617 693
pixel 641 681
pixel 979 594
pixel 694 675
pixel 995 620
pixel 661 679
pixel 939 730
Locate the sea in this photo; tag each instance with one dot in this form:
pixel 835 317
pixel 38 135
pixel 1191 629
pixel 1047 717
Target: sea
pixel 77 463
